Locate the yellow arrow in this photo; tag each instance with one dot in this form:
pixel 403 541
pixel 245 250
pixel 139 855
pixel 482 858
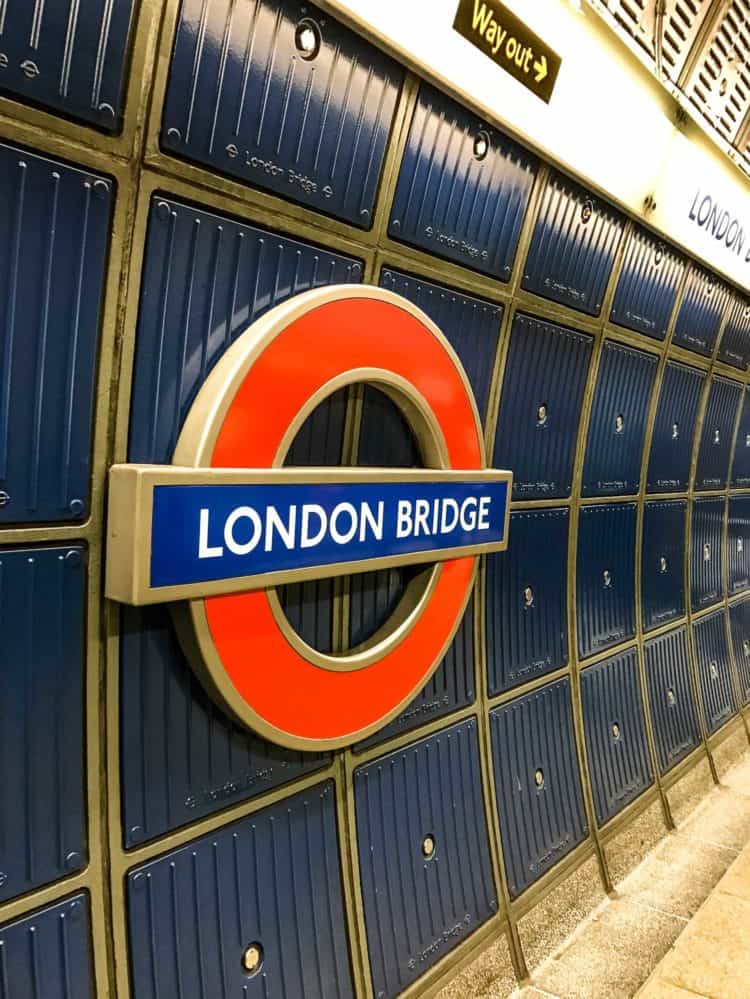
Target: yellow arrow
pixel 541 68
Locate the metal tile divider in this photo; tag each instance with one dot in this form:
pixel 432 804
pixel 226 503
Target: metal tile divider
pixel 642 499
pixel 693 494
pixel 576 498
pixel 86 138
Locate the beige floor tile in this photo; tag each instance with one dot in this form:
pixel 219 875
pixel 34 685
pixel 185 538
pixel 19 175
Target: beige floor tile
pixel 529 992
pixel 724 821
pixel 730 750
pixel 712 957
pixel 679 876
pixel 690 791
pixel 738 777
pixel 545 927
pixel 613 955
pixel 489 976
pixel 659 989
pixel 737 879
pixel 627 849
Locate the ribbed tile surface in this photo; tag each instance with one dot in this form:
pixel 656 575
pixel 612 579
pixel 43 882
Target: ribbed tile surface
pixel 735 340
pixel 739 622
pixel 449 688
pixel 385 441
pixel 707 553
pixel 616 746
pixel 181 757
pixel 47 955
pixel 462 189
pixel 272 880
pixel 42 624
pixel 738 543
pixel 385 438
pixel 714 672
pixel 674 429
pixel 537 783
pixel 670 694
pixel 741 462
pixel 308 608
pixel 526 615
pixel 605 579
pixel 614 447
pixel 471 325
pixel 418 907
pixel 573 247
pixel 206 278
pixel 67 55
pixel 701 311
pixel 663 562
pixel 319 441
pixel 647 286
pixel 718 431
pixel 53 255
pixel 540 407
pixel 282 97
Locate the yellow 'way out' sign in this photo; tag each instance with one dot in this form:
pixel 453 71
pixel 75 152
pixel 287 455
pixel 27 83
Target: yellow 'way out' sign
pixel 498 33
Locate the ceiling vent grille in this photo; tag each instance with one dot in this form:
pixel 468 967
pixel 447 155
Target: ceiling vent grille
pixel 637 18
pixel 682 21
pixel 720 83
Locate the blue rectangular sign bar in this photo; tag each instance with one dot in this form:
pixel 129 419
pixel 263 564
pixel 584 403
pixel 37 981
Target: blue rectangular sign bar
pixel 208 532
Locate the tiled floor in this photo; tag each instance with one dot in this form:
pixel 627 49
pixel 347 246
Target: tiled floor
pixel 660 914
pixel 712 957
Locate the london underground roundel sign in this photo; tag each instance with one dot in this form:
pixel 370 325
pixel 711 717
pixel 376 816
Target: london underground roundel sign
pixel 217 531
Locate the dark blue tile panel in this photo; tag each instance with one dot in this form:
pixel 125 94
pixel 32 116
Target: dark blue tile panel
pixel 738 543
pixel 670 694
pixel 53 260
pixel 647 287
pixel 206 278
pixel 663 562
pixel 735 340
pixel 373 597
pixel 605 577
pixel 48 954
pixel 462 188
pixel 739 623
pixel 674 428
pixel 614 448
pixel 699 317
pixel 616 745
pixel 420 903
pixel 707 553
pixel 308 607
pixel 319 441
pixel 716 437
pixel 68 57
pixel 271 880
pixel 714 671
pixel 283 97
pixel 540 407
pixel 181 757
pixel 471 325
pixel 741 463
pixel 450 687
pixel 573 246
pixel 385 440
pixel 42 623
pixel 537 783
pixel 526 615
